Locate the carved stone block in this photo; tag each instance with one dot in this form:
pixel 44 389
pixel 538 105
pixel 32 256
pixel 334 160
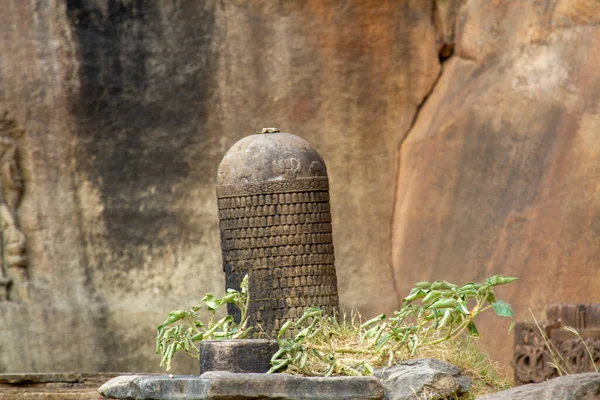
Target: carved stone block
pixel 238 355
pixel 275 221
pixel 533 361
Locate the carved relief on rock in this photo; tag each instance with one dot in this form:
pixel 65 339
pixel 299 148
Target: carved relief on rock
pixel 530 358
pixel 538 347
pixel 317 169
pixel 13 258
pixel 288 168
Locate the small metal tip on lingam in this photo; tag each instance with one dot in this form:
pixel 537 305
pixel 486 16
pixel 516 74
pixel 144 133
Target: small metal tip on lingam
pixel 269 130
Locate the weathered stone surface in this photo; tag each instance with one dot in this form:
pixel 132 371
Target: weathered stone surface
pixel 162 387
pixel 275 386
pixel 425 378
pixel 499 174
pixel 568 387
pixel 239 355
pixel 536 345
pixel 275 223
pixel 58 386
pixel 230 386
pixel 127 107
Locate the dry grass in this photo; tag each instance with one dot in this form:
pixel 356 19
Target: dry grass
pixel 344 339
pixel 478 366
pixel 558 361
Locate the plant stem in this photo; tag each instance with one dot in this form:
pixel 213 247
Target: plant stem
pixel 339 350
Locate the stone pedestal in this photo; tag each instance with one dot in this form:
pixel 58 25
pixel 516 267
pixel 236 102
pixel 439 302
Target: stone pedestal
pixel 239 355
pixel 226 385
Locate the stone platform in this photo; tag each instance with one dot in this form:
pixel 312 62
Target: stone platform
pixel 52 386
pixel 231 386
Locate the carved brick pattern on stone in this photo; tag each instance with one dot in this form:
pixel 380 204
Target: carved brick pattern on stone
pixel 281 186
pixel 290 254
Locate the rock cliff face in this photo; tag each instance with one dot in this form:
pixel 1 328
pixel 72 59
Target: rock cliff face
pixel 499 174
pixel 120 111
pixel 127 107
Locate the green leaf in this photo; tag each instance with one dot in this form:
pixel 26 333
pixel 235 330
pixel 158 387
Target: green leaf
pixel 309 313
pixel 349 370
pixel 433 295
pixel 503 309
pixel 468 292
pixel 284 329
pixel 445 303
pixel 442 285
pixel 484 289
pixel 432 314
pixel 369 370
pixel 472 329
pixel 462 307
pixel 499 280
pixel 422 285
pixel 444 320
pixel 302 334
pixel 230 297
pixel 211 302
pixel 490 298
pixel 382 341
pixel 415 294
pixel 278 365
pixel 244 284
pixel 370 333
pixel 470 285
pixel 372 321
pixel 175 316
pixel 303 359
pixel 160 330
pixel 511 327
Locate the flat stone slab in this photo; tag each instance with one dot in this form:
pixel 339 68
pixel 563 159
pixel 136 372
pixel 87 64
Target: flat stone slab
pixel 423 378
pixel 231 386
pixel 569 387
pixel 52 386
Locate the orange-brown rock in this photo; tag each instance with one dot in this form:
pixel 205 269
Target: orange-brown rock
pixel 500 173
pixel 127 107
pixel 124 109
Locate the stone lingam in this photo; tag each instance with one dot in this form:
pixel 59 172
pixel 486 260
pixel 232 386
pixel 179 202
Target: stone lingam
pixel 273 198
pixel 275 224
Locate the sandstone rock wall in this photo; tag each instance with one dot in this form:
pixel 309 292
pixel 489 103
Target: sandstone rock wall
pixel 500 174
pixel 127 107
pixel 486 164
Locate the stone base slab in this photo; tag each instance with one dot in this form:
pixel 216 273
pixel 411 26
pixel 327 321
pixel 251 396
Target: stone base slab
pixel 52 386
pixel 231 386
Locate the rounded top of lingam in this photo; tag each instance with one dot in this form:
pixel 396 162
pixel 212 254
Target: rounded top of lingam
pixel 270 156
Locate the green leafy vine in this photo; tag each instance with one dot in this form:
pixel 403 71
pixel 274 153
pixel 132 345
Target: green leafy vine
pixel 325 345
pixel 183 329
